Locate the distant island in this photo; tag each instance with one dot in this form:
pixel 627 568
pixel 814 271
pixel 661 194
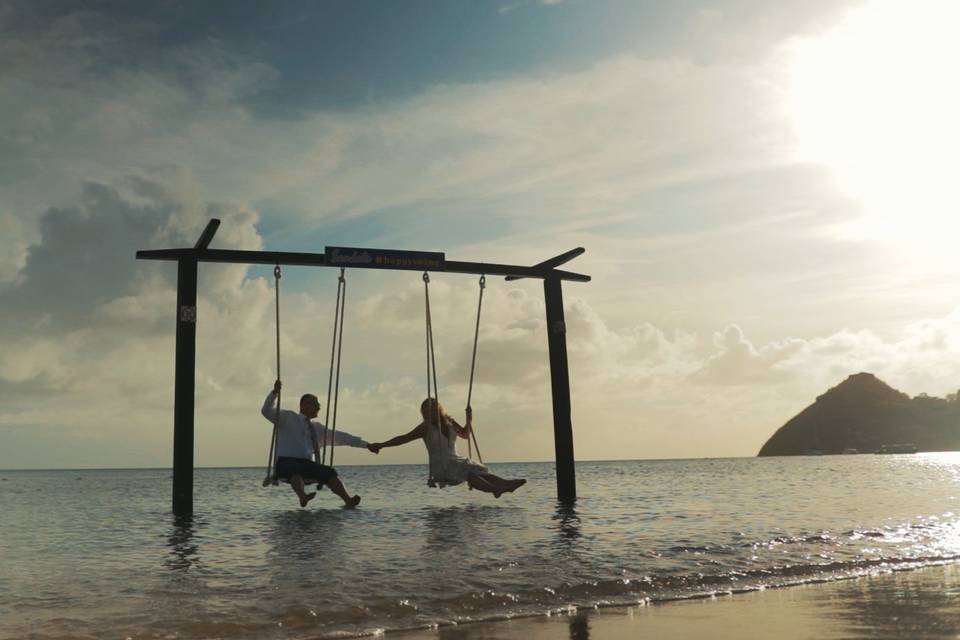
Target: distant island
pixel 863 414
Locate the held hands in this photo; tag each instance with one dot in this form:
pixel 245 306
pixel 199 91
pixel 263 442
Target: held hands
pixel 276 386
pixel 374 447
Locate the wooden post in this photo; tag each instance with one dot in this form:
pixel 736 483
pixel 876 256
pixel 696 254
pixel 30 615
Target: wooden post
pixel 560 384
pixel 184 383
pixel 183 398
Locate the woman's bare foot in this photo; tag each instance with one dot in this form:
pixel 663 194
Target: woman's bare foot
pixel 352 502
pixel 515 484
pixel 307 498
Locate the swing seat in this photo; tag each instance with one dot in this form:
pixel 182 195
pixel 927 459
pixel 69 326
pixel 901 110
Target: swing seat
pixel 276 480
pixel 443 483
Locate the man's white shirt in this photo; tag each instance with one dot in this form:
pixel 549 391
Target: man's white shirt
pixel 294 439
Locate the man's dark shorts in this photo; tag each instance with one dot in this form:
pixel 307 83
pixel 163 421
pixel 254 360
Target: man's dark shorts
pixel 306 469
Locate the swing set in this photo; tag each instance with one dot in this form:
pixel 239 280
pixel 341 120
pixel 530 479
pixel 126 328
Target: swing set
pixel 333 379
pixel 343 257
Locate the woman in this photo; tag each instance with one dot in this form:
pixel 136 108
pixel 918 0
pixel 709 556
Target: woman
pixel 439 433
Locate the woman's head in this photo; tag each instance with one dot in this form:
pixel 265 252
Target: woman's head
pixel 432 411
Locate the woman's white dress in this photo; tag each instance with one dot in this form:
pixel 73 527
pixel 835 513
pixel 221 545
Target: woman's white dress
pixel 447 468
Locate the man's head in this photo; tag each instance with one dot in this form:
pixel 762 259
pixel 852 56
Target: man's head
pixel 309 405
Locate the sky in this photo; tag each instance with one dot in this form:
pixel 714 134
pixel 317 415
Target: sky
pixel 766 193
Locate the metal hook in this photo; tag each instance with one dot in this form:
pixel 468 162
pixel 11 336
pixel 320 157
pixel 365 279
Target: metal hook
pixel 276 272
pixel 426 276
pixel 483 281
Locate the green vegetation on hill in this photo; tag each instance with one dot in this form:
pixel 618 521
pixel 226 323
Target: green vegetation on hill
pixel 864 413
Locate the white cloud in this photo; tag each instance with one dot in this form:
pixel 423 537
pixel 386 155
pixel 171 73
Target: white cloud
pixel 553 148
pixel 738 362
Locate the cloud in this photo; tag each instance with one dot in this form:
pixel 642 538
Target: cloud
pixel 738 362
pixel 84 257
pixel 650 391
pixel 718 286
pixel 88 98
pixel 922 359
pixel 13 249
pixel 550 148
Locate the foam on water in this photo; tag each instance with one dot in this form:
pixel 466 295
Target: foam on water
pixel 94 553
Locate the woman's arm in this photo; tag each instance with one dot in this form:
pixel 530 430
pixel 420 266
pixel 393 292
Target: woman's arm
pixel 464 432
pixel 396 441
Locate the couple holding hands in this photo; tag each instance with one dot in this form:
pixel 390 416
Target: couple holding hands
pixel 298 437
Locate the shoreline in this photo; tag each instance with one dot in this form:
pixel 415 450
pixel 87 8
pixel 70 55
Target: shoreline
pixel 906 603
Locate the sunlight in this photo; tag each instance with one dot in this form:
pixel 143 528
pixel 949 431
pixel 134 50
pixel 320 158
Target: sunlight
pixel 876 100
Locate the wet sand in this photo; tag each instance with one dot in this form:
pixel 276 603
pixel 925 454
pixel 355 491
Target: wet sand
pixel 920 603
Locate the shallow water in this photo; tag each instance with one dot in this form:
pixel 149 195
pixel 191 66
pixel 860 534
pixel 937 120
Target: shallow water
pixel 95 553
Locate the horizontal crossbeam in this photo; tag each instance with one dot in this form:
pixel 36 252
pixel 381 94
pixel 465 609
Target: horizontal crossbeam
pixel 234 256
pixel 394 260
pixel 555 262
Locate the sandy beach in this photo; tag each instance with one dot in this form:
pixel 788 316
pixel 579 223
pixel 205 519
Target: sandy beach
pixel 920 603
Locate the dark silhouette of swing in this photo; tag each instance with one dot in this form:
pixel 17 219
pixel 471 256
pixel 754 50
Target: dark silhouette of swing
pixel 188 259
pixel 333 381
pixel 433 392
pixel 320 451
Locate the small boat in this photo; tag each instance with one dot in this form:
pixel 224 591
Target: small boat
pixel 905 447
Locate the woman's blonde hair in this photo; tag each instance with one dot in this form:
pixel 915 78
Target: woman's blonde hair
pixel 434 413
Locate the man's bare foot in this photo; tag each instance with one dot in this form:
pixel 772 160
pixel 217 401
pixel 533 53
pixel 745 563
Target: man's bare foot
pixel 307 498
pixel 352 502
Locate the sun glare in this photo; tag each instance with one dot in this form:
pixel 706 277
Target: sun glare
pixel 876 99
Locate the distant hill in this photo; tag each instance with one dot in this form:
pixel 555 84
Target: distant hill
pixel 864 413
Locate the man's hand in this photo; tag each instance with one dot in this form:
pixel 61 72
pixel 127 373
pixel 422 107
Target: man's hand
pixel 469 415
pixel 276 386
pixel 374 447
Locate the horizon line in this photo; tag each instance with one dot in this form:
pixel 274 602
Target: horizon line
pixel 397 464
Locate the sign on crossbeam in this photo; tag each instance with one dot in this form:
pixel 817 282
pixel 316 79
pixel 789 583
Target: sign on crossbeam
pixel 385 259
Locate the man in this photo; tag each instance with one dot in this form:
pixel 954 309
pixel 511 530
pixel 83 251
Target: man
pixel 297 447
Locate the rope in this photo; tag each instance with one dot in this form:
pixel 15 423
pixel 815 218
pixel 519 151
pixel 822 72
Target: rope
pixel 270 477
pixel 336 392
pixel 431 364
pixel 336 351
pixel 473 366
pixel 426 292
pixel 431 352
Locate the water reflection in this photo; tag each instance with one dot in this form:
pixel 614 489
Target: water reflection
pixel 183 548
pixel 567 524
pixel 447 527
pixel 908 604
pixel 580 627
pixel 304 536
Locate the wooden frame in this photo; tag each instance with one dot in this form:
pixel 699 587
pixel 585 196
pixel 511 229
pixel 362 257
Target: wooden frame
pixel 186 338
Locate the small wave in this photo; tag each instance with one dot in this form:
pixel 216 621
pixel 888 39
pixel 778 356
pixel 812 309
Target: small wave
pixel 826 537
pixel 571 598
pixel 565 599
pixel 696 549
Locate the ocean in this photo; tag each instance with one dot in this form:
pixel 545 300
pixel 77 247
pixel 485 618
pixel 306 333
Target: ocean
pixel 97 553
